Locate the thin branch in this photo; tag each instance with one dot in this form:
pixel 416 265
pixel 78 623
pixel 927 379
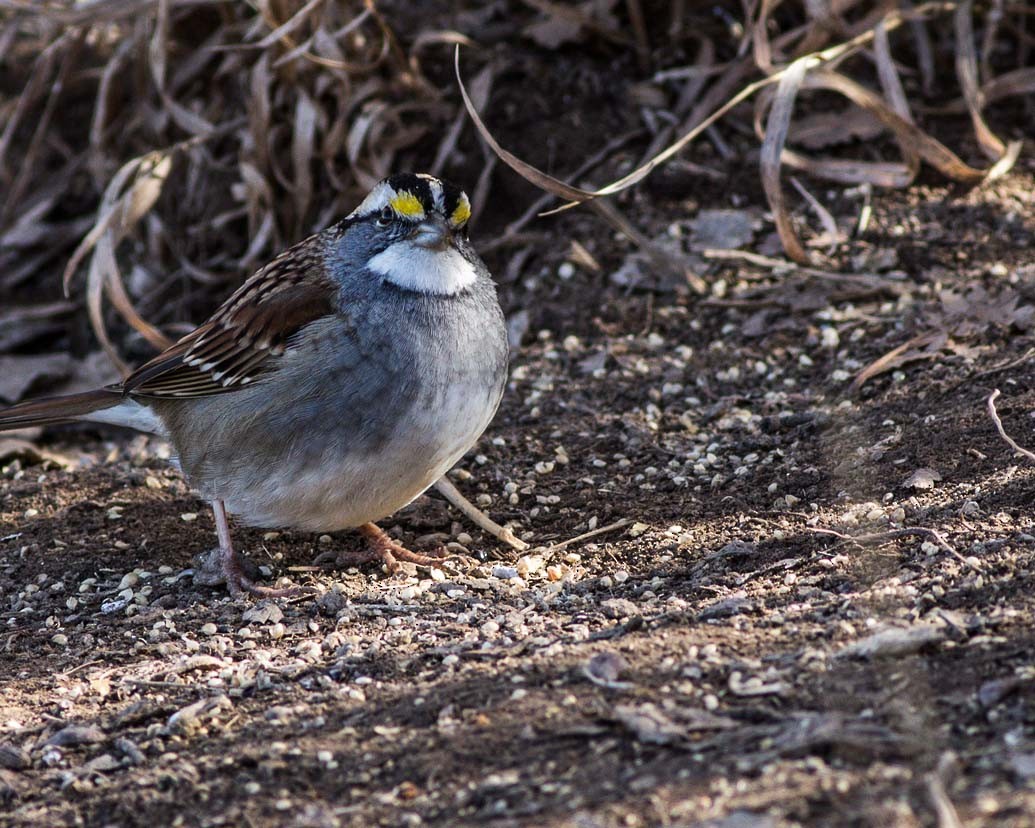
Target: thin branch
pixel 477 516
pixel 1002 431
pixel 611 527
pixel 908 531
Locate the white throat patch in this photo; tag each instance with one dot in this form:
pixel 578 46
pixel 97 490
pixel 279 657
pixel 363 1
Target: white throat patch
pixel 435 272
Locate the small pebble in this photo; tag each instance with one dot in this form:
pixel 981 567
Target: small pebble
pixel 529 565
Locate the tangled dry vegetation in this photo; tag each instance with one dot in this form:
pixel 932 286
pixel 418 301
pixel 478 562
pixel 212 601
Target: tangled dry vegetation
pixel 174 145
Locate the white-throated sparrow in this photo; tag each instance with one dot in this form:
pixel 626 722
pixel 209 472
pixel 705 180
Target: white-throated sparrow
pixel 337 384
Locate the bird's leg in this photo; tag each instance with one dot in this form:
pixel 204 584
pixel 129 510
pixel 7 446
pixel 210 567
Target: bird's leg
pixel 383 549
pixel 224 565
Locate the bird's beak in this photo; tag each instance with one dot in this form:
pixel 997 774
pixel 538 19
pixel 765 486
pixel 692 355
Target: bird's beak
pixel 433 233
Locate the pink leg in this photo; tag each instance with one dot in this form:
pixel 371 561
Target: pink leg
pixel 230 564
pixel 381 549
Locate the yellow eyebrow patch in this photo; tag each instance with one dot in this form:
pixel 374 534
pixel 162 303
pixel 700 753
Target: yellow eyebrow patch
pixel 407 204
pixel 462 212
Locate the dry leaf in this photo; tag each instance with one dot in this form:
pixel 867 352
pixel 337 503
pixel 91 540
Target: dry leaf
pixel 772 148
pixel 648 724
pixel 723 229
pixel 925 346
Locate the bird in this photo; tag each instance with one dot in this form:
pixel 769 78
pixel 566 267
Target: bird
pixel 333 387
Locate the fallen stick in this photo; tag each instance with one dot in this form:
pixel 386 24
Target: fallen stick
pixel 477 516
pixel 618 524
pixel 882 537
pixel 1002 431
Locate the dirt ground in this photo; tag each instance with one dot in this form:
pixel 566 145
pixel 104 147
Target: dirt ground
pixel 711 661
pixel 799 602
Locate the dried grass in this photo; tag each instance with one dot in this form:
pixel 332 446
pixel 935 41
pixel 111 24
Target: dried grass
pixel 235 130
pixel 803 64
pixel 177 144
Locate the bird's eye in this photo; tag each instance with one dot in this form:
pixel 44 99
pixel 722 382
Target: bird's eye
pixel 386 217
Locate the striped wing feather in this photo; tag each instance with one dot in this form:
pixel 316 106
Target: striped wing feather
pixel 234 346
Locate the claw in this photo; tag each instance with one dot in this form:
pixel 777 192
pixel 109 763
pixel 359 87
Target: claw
pixel 382 549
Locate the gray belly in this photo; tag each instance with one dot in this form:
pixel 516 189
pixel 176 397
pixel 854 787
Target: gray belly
pixel 341 433
pixel 340 484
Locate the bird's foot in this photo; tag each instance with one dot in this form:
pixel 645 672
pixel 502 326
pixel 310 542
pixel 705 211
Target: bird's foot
pixel 222 566
pixel 384 550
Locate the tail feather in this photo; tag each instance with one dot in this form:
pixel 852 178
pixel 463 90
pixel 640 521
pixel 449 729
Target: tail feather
pixel 52 410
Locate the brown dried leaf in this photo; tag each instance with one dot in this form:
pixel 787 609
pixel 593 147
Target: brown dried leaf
pixel 304 134
pixel 895 642
pixel 26 323
pixel 922 479
pixel 966 71
pixel 907 134
pixel 552 32
pixel 824 129
pixel 481 86
pixel 605 668
pixel 772 147
pixel 77 735
pixel 288 27
pixel 888 74
pixel 925 346
pixel 649 724
pixel 525 170
pixel 832 234
pixel 565 22
pixel 119 211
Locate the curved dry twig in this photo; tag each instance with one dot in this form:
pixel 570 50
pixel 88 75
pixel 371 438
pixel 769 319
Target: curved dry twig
pixel 1002 431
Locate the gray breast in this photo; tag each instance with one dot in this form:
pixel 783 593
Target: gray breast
pixel 360 415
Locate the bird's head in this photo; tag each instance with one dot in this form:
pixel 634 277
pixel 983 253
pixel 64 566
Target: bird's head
pixel 411 232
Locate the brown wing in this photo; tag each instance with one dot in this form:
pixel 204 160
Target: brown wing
pixel 231 349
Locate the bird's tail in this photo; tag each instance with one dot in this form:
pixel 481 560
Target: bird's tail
pixel 64 409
